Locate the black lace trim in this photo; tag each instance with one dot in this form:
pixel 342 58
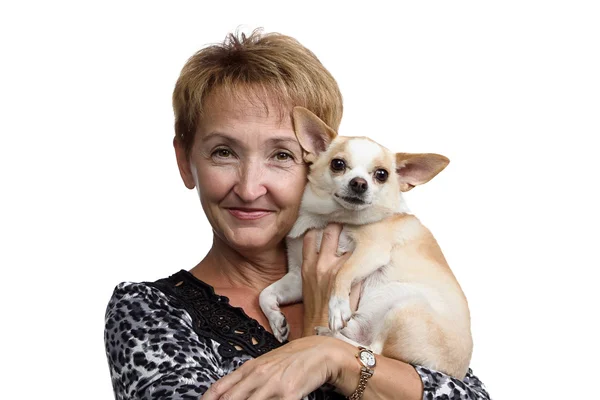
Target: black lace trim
pixel 213 317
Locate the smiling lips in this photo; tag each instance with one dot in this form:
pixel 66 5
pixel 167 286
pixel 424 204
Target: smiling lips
pixel 248 213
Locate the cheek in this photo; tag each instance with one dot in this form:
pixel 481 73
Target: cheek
pixel 337 181
pixel 326 180
pixel 382 189
pixel 288 189
pixel 215 182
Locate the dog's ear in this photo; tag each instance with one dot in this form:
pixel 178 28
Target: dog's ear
pixel 313 134
pixel 417 169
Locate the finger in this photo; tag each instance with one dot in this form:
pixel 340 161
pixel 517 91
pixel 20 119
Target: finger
pixel 265 392
pixel 331 236
pixel 245 388
pixel 341 260
pixel 217 389
pixel 309 247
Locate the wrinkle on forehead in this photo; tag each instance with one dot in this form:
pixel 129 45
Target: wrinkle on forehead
pixel 255 101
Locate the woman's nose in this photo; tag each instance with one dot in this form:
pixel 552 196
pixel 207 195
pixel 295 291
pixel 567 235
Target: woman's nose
pixel 250 185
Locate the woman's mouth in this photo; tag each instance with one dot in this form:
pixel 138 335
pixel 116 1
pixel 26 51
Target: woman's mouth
pixel 248 213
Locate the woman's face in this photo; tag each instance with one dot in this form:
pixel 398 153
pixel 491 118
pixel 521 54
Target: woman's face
pixel 247 166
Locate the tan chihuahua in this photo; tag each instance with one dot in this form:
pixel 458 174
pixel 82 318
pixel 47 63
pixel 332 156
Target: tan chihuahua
pixel 411 307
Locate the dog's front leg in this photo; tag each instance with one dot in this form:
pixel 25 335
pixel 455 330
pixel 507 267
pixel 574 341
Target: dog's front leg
pixel 287 290
pixel 366 259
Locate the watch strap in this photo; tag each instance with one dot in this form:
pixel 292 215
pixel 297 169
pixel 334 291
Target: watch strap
pixel 365 374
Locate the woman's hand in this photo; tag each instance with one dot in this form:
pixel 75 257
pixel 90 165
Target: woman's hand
pixel 319 269
pixel 291 371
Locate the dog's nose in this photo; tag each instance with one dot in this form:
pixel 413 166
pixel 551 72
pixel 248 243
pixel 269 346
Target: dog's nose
pixel 359 185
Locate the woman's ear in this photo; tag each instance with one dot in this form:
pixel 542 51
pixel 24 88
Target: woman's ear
pixel 313 134
pixel 417 169
pixel 183 163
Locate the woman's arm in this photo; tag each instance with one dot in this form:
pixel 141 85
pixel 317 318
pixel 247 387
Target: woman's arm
pixel 437 384
pixel 395 379
pixel 152 349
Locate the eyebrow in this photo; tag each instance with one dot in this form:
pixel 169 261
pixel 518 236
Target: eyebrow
pixel 283 140
pixel 219 135
pixel 272 141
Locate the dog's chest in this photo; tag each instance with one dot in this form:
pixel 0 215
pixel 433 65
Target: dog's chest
pixel 345 242
pixel 311 221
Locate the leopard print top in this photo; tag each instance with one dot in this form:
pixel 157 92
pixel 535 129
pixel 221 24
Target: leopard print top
pixel 171 339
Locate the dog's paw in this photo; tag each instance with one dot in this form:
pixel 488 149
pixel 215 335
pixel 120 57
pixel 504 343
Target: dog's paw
pixel 323 331
pixel 270 307
pixel 339 312
pixel 279 325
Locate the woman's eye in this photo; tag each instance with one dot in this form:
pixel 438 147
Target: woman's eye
pixel 223 153
pixel 283 156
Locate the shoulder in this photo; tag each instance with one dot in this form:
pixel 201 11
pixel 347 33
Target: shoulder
pixel 142 302
pixel 126 292
pixel 139 313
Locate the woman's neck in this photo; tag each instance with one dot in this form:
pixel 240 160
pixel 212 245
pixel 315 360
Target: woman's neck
pixel 227 268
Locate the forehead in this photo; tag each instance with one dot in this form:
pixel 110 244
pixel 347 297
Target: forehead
pixel 244 103
pixel 243 110
pixel 362 151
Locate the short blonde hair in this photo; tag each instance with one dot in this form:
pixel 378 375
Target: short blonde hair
pixel 272 64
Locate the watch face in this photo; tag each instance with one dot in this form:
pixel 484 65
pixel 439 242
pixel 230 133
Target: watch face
pixel 367 358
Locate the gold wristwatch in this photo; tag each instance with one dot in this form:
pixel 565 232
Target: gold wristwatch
pixel 367 359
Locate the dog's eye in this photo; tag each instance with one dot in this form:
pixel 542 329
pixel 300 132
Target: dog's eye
pixel 381 175
pixel 338 164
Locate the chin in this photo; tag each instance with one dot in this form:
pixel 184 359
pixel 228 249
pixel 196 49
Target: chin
pixel 252 238
pixel 352 206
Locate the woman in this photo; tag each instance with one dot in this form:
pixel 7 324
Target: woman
pixel 202 333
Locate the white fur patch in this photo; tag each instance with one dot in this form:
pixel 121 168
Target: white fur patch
pixel 363 153
pixel 339 312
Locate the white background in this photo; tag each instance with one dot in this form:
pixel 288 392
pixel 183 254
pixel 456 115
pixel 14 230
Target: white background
pixel 91 196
